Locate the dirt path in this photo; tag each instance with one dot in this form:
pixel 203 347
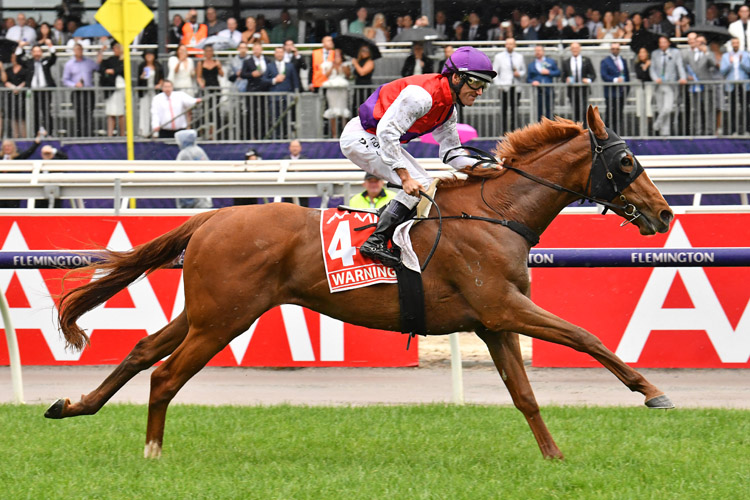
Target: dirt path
pixel 360 386
pixel 430 383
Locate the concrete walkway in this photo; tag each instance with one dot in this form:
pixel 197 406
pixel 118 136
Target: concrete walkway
pixel 361 386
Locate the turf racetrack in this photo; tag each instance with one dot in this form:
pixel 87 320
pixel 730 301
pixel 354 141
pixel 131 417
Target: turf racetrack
pixel 420 451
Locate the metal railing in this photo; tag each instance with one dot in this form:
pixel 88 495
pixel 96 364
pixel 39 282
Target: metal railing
pixel 118 180
pixel 634 109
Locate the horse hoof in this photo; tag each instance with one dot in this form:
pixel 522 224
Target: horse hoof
pixel 152 450
pixel 56 410
pixel 662 402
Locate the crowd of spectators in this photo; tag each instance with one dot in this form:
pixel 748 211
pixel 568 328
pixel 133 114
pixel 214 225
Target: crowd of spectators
pixel 194 72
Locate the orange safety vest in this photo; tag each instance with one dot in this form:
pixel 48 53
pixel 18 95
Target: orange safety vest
pixel 190 37
pixel 318 77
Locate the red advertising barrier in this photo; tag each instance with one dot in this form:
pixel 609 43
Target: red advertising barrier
pixel 662 317
pixel 285 336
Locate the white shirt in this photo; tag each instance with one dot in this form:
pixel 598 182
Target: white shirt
pixel 235 35
pixel 677 13
pixel 504 64
pixel 575 69
pixel 412 104
pixel 165 110
pixel 21 34
pixel 38 80
pixel 260 63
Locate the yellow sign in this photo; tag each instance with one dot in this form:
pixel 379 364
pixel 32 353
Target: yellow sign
pixel 124 19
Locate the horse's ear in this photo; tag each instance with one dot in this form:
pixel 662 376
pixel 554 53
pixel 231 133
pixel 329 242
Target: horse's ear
pixel 595 123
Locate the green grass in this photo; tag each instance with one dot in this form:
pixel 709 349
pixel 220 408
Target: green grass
pixel 378 452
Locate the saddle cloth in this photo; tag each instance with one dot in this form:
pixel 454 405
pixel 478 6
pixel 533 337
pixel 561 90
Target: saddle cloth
pixel 342 232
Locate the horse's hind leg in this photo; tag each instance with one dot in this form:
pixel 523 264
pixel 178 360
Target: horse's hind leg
pixel 189 358
pixel 521 315
pixel 506 353
pixel 146 352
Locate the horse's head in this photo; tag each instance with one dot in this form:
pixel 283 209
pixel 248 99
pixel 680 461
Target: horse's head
pixel 617 176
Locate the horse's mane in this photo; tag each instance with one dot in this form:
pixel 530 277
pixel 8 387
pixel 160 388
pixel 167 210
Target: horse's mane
pixel 520 142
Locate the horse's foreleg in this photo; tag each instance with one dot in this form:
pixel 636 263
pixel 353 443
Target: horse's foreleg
pixel 521 315
pixel 189 358
pixel 146 352
pixel 506 353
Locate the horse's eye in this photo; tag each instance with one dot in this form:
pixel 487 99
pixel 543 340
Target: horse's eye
pixel 626 164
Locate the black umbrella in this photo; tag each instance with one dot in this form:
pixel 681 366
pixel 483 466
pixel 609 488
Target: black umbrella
pixel 712 33
pixel 7 47
pixel 351 43
pixel 417 35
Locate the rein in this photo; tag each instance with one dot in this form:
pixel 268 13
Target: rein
pixel 518 227
pixel 485 158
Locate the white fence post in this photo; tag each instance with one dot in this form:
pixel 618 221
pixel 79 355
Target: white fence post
pixel 457 377
pixel 13 354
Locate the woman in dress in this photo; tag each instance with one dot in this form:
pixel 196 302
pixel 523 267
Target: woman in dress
pixel 209 71
pixel 645 93
pixel 112 76
pixel 628 29
pixel 15 105
pixel 44 35
pixel 337 91
pixel 363 67
pixel 609 28
pixel 150 78
pixel 251 32
pixel 182 71
pixel 382 34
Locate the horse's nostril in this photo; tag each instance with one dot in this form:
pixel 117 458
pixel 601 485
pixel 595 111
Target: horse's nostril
pixel 666 216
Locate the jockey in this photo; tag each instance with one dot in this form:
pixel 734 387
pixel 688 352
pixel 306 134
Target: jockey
pixel 396 113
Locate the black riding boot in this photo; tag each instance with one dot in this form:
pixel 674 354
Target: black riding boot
pixel 376 246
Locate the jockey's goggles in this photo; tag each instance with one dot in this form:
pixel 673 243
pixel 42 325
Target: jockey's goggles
pixel 475 83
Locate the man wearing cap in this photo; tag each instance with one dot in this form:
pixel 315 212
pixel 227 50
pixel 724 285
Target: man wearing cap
pixel 396 113
pixel 374 196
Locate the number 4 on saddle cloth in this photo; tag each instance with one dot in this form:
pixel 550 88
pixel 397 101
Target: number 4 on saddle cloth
pixel 342 232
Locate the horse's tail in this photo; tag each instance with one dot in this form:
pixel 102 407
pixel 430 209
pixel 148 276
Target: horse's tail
pixel 119 270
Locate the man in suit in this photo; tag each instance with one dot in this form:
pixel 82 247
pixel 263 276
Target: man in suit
pixel 39 79
pixel 578 71
pixel 284 78
pixel 525 30
pixel 740 29
pixel 444 29
pixel 257 73
pixel 666 70
pixel 474 30
pixel 511 71
pixel 659 25
pixel 292 55
pixel 700 64
pixel 542 70
pixel 614 69
pixel 735 66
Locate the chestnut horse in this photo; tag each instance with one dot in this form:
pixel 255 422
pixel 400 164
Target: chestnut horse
pixel 241 261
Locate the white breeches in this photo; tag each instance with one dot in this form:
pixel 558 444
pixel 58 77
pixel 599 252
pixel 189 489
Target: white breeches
pixel 363 148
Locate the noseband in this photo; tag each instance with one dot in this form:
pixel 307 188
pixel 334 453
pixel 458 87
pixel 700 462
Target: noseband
pixel 604 183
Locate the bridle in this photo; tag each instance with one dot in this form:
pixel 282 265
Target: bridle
pixel 603 184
